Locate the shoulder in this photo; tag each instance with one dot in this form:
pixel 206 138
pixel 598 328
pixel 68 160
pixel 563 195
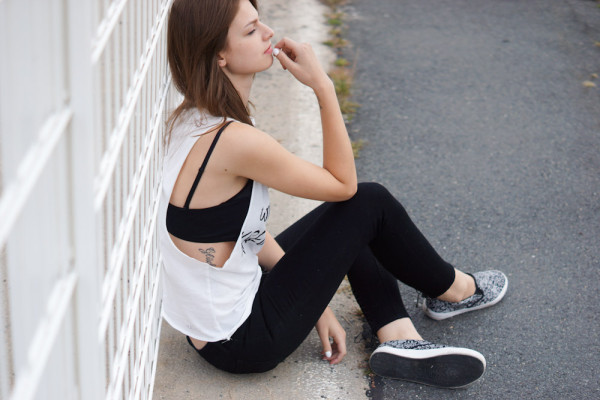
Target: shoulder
pixel 240 128
pixel 192 123
pixel 244 139
pixel 249 152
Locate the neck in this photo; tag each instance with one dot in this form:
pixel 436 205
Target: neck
pixel 243 85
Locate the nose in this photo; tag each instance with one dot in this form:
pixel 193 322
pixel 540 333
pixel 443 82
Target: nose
pixel 268 32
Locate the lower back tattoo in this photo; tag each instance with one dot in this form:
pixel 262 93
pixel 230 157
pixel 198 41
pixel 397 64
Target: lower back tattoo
pixel 210 255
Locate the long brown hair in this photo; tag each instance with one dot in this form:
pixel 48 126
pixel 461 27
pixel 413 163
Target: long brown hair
pixel 196 33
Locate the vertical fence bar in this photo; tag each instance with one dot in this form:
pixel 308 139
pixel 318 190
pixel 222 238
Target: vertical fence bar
pixel 6 356
pixel 84 132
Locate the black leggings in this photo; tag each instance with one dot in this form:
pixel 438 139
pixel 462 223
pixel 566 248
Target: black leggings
pixel 356 237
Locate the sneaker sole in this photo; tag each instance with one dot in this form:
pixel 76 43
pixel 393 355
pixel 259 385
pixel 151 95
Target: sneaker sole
pixel 450 368
pixel 441 316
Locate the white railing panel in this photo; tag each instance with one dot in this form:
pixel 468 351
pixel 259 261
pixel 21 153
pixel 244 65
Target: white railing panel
pixel 38 43
pixel 36 267
pixel 82 107
pixel 41 282
pixel 38 246
pixel 132 62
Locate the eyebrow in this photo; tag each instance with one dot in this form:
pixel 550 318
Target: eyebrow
pixel 254 21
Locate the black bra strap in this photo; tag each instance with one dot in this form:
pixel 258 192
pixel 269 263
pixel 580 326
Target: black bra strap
pixel 203 166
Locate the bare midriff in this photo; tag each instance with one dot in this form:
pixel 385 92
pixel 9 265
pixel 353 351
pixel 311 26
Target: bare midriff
pixel 213 254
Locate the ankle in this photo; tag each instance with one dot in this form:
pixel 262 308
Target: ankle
pixel 462 288
pixel 400 329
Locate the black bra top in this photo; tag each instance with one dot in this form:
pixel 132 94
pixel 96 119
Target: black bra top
pixel 221 223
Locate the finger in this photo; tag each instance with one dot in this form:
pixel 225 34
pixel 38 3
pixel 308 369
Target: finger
pixel 337 357
pixel 327 353
pixel 289 47
pixel 284 59
pixel 277 57
pixel 342 348
pixel 339 344
pixel 287 44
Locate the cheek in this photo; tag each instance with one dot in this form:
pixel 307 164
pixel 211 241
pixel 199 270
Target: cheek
pixel 239 54
pixel 248 59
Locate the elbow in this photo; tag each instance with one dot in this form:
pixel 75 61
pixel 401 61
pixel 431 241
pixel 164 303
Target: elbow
pixel 349 191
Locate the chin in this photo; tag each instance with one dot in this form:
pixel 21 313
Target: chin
pixel 269 64
pixel 266 66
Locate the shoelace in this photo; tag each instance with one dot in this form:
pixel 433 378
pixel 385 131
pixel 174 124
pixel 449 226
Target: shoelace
pixel 419 298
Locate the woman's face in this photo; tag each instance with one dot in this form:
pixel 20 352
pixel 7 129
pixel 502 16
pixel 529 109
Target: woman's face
pixel 248 47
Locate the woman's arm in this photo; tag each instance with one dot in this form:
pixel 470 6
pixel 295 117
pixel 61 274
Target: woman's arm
pixel 270 254
pixel 301 61
pixel 255 155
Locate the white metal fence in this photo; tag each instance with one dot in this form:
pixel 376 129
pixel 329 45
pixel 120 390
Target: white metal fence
pixel 84 89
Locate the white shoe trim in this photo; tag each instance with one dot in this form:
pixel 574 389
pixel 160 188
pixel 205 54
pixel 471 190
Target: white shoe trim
pixel 430 353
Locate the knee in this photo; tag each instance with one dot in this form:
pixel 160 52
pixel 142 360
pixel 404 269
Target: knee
pixel 372 192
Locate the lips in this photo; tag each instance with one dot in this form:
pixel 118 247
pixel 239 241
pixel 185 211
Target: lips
pixel 269 50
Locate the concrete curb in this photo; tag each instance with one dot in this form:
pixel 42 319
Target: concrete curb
pixel 288 111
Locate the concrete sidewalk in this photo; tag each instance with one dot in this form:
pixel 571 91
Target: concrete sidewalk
pixel 288 111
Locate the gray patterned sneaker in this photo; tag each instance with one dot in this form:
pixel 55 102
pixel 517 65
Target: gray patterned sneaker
pixel 427 363
pixel 490 289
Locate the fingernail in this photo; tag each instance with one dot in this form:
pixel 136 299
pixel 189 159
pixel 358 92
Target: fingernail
pixel 275 51
pixel 327 354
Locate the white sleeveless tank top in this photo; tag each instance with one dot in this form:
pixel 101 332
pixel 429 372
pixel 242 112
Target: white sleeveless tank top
pixel 201 301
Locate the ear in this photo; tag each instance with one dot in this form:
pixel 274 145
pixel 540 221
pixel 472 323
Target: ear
pixel 221 61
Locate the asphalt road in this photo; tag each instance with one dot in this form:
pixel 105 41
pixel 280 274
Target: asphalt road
pixel 476 118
